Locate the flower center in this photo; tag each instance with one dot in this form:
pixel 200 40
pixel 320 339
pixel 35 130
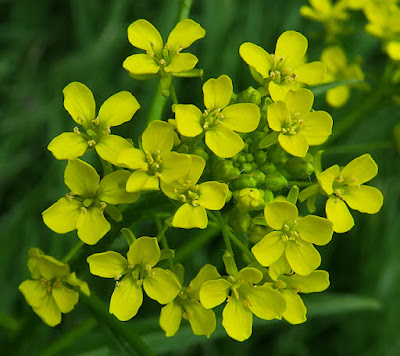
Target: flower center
pixel 293 125
pixel 280 73
pixel 289 232
pixel 191 193
pixel 154 160
pixel 211 119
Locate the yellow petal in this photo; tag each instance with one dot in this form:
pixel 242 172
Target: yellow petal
pixel 118 109
pixel 217 92
pixel 277 114
pixel 68 145
pixel 360 170
pixel 299 101
pixel 142 34
pixel 144 251
pixel 339 214
pixel 295 309
pixel 181 62
pixel 317 281
pixel 364 198
pixel 327 177
pixel 315 229
pixel 92 225
pixel 184 34
pixel 269 249
pixel 188 120
pixel 162 285
pixel 242 117
pixel 196 168
pixel 175 165
pixel 202 320
pixel 41 265
pixel 214 292
pixel 110 146
pixel 250 275
pixel 311 73
pixel 237 319
pixel 335 58
pixel 132 158
pixel 278 213
pixel 296 145
pixel 73 280
pixel 291 46
pixel 279 91
pixel 337 97
pixel 140 64
pixel 159 135
pixel 81 178
pixel 141 181
pixel 65 298
pixel 264 302
pixel 302 258
pixel 48 311
pixel 317 126
pixel 206 273
pixel 33 292
pixel 188 217
pixel 256 57
pixel 61 217
pixel 108 264
pixel 126 299
pixel 393 50
pixel 79 102
pixel 223 141
pixel 213 195
pixel 112 189
pixel 170 318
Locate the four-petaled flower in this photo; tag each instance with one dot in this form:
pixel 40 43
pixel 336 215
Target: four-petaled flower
pixel 220 120
pixel 285 69
pixel 82 208
pixel 154 162
pixel 298 126
pixel 294 236
pixel 79 102
pixel 346 186
pixel 188 306
pixel 48 291
pixel 137 271
pixel 196 198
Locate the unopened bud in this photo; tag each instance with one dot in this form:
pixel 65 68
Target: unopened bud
pixel 250 95
pixel 244 181
pixel 260 157
pixel 257 232
pixel 275 181
pixel 276 154
pixel 239 220
pixel 249 199
pixel 299 167
pixel 224 170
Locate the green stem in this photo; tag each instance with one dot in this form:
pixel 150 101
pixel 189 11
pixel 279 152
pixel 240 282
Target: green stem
pixel 157 106
pixel 172 93
pixel 184 10
pixel 300 184
pixel 73 251
pixel 241 246
pixel 69 338
pixel 161 237
pixel 120 330
pixel 225 232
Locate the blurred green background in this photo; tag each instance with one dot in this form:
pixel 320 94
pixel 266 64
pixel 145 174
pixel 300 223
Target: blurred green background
pixel 47 44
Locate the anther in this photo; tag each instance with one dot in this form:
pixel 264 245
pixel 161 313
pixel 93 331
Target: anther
pixel 91 143
pixel 96 121
pixel 76 130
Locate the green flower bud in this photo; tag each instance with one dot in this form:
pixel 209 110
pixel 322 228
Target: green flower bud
pixel 275 181
pixel 277 155
pixel 268 168
pixel 200 151
pixel 260 157
pixel 257 232
pixel 258 176
pixel 250 95
pixel 244 181
pixel 224 170
pixel 299 167
pixel 241 158
pixel 239 220
pixel 249 157
pixel 268 196
pixel 249 199
pixel 247 167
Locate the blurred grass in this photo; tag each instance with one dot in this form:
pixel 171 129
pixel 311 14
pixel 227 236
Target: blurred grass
pixel 47 44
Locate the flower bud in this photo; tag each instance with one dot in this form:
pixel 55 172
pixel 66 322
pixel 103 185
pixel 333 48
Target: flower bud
pixel 275 181
pixel 276 154
pixel 258 176
pixel 268 168
pixel 224 170
pixel 249 199
pixel 257 232
pixel 250 95
pixel 239 220
pixel 200 151
pixel 299 167
pixel 244 181
pixel 260 157
pixel 247 167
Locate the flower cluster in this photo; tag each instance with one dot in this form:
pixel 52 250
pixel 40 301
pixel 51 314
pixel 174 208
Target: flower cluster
pixel 236 165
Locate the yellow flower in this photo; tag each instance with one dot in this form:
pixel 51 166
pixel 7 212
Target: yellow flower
pixel 159 59
pixel 188 306
pixel 291 285
pixel 83 207
pixel 298 126
pixel 48 291
pixel 346 186
pixel 219 120
pixel 293 237
pixel 285 69
pixel 196 198
pixel 245 298
pixel 79 102
pixel 154 162
pixel 336 61
pixel 136 271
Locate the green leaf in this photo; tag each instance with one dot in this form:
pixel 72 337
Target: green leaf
pixel 269 140
pixel 323 88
